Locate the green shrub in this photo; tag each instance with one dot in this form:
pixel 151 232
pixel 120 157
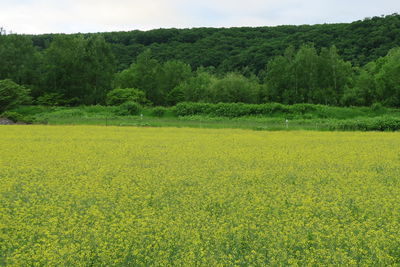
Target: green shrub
pixel 72 102
pixel 232 110
pixel 303 108
pixel 128 108
pixel 16 117
pixel 119 96
pixel 368 124
pixel 158 111
pixel 50 99
pixel 13 116
pixel 12 94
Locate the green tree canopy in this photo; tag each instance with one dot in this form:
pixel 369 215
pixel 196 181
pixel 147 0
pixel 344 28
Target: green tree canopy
pixel 388 79
pixel 235 88
pixel 19 60
pixel 12 94
pixel 80 69
pixel 119 96
pixel 307 76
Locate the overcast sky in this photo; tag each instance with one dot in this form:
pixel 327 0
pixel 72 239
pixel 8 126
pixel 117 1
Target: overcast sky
pixel 69 16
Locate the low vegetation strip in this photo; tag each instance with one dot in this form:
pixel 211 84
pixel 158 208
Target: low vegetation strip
pixel 367 124
pixel 270 116
pixel 115 196
pixel 304 111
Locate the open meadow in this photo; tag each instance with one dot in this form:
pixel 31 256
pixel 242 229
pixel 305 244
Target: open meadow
pixel 120 196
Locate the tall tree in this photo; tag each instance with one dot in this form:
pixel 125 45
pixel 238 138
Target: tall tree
pixel 388 79
pixel 19 60
pixel 80 69
pixel 281 79
pixel 235 88
pixel 305 69
pixel 100 63
pixel 143 74
pixel 198 87
pixel 173 73
pixel 363 92
pixel 308 77
pixel 334 75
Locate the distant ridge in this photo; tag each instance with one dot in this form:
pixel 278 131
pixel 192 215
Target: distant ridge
pixel 230 49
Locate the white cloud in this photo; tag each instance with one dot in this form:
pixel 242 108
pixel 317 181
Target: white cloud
pixel 41 16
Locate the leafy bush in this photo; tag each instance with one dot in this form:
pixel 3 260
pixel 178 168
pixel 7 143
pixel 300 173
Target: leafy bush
pixel 303 108
pixel 13 116
pixel 12 94
pixel 235 88
pixel 368 124
pixel 239 109
pixel 72 102
pixel 309 111
pixel 119 96
pixel 158 111
pixel 50 99
pixel 16 117
pixel 128 108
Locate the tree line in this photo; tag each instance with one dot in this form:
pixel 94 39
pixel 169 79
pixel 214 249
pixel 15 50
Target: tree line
pixel 335 64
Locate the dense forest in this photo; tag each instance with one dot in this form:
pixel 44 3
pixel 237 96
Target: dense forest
pixel 355 64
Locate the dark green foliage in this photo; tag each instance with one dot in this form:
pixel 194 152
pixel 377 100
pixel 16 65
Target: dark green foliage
pixel 119 96
pixel 308 77
pixel 172 74
pixel 143 75
pixel 50 99
pixel 233 49
pixel 155 79
pixel 230 109
pixel 158 111
pixel 16 117
pixel 368 124
pixel 12 94
pixel 128 108
pixel 330 64
pixel 80 69
pixel 19 60
pixel 13 116
pixel 230 88
pixel 388 79
pixel 175 96
pixel 306 111
pixel 378 81
pixel 197 88
pixel 234 88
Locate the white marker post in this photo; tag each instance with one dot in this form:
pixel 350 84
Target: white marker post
pixel 141 116
pixel 287 123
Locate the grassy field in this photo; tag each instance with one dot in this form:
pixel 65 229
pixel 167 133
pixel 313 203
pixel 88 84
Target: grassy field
pixel 119 196
pixel 195 122
pixel 318 117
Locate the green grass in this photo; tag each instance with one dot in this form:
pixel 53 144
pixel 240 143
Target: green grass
pixel 323 118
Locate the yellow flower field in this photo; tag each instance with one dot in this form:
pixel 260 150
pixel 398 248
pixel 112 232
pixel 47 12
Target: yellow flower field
pixel 115 196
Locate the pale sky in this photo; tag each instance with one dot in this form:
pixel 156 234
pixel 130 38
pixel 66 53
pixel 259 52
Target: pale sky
pixel 71 16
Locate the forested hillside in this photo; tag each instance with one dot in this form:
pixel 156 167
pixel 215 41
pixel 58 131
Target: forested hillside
pixel 335 64
pixel 232 49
